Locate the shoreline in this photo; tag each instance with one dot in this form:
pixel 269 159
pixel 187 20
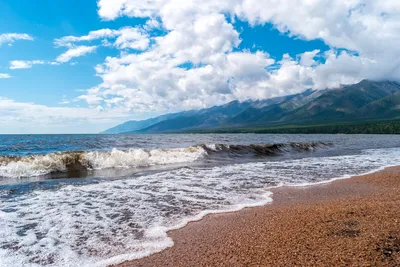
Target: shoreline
pixel 190 236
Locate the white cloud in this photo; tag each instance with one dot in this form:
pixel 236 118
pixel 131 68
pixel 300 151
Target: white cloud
pixel 93 35
pixel 126 37
pixel 25 117
pixel 132 38
pixel 110 10
pixel 11 37
pixel 25 64
pixel 4 76
pixel 74 52
pixel 307 58
pixel 194 63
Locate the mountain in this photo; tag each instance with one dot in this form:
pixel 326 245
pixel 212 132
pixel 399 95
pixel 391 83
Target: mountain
pixel 344 103
pixel 131 126
pixel 274 111
pixel 367 100
pixel 387 107
pixel 232 114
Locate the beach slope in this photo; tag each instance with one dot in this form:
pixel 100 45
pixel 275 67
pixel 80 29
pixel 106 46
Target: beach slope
pixel 352 222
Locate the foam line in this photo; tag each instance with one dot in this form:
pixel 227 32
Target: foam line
pixel 37 165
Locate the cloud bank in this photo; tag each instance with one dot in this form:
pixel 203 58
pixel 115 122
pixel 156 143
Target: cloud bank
pixel 35 118
pixel 196 63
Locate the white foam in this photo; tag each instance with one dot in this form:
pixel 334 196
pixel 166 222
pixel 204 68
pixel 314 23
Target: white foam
pixel 112 221
pixel 33 166
pixel 37 165
pixel 215 147
pixel 140 158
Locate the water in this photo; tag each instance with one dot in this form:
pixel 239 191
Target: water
pixel 93 200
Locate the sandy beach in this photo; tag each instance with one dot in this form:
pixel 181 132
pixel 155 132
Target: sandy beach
pixel 351 222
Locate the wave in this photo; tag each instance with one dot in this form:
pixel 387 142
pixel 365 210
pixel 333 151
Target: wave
pixel 37 165
pixel 265 150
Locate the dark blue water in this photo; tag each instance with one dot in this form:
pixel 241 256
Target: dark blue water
pixel 19 145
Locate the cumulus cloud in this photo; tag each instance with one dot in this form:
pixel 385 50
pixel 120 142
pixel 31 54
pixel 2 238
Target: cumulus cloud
pixel 307 58
pixel 4 76
pixel 197 62
pixel 74 52
pixel 25 64
pixel 132 38
pixel 12 37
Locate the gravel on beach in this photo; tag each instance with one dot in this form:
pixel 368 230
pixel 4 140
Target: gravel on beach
pixel 352 222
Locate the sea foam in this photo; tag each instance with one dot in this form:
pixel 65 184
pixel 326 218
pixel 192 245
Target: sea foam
pixel 36 165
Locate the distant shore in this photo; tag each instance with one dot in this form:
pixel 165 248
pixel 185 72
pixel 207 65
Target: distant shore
pixel 352 222
pixel 377 127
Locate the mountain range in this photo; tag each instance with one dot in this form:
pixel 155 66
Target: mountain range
pixel 361 102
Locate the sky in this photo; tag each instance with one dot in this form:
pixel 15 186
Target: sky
pixel 72 66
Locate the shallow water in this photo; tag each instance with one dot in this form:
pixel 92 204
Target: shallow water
pixel 126 191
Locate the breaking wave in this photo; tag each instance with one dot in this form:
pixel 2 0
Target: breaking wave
pixel 37 165
pixel 264 150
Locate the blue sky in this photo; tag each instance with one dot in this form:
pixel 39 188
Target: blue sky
pixel 88 65
pixel 46 21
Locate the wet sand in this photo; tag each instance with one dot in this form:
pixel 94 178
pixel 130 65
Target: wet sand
pixel 352 222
